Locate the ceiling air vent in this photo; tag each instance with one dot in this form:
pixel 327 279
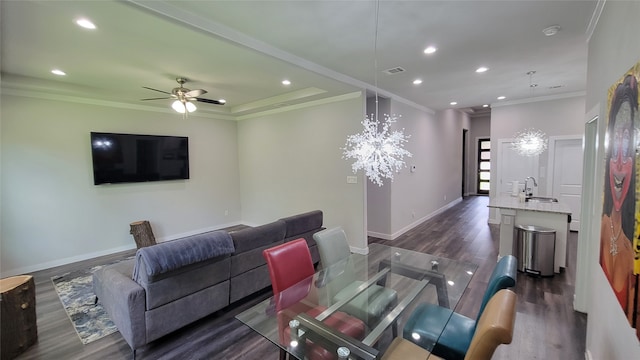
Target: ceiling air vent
pixel 395 70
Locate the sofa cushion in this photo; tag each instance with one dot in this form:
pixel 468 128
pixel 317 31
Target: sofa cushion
pixel 184 281
pixel 249 282
pixel 172 255
pixel 299 224
pixel 185 310
pixel 304 226
pixel 259 236
pixel 250 259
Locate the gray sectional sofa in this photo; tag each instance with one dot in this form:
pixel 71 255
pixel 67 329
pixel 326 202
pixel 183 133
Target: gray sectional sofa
pixel 174 283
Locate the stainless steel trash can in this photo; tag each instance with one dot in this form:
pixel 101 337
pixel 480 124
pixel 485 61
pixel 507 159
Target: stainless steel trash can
pixel 534 247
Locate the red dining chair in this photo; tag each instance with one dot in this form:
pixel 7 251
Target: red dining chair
pixel 290 267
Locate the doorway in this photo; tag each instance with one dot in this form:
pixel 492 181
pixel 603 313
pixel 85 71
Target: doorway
pixel 465 162
pixel 483 178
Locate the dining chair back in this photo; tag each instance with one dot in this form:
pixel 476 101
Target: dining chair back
pixel 334 252
pixel 288 264
pixel 503 276
pixel 332 245
pixel 370 305
pixel 451 332
pixel 291 271
pixel 495 327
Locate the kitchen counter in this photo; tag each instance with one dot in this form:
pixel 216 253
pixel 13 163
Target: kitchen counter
pixel 554 215
pixel 512 202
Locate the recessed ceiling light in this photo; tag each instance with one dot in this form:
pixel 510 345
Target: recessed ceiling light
pixel 501 97
pixel 85 23
pixel 482 69
pixel 417 82
pixel 430 50
pixel 222 101
pixel 58 72
pixel 453 103
pixel 485 105
pixel 286 82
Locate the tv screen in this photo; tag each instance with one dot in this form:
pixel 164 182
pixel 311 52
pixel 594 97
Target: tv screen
pixel 125 158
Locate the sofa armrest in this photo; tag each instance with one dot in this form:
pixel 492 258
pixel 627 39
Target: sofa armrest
pixel 124 301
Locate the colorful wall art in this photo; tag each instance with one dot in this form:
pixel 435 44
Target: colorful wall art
pixel 620 227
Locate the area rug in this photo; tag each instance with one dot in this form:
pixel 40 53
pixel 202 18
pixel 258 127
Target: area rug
pixel 75 290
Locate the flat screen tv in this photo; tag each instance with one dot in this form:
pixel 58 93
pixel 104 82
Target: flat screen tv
pixel 126 158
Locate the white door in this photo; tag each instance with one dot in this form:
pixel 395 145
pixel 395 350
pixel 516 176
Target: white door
pixel 566 175
pixel 514 167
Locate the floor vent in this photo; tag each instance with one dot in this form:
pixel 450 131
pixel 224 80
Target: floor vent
pixel 394 70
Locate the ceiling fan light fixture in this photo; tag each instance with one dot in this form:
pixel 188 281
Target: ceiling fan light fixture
pixel 183 107
pixel 178 106
pixel 184 99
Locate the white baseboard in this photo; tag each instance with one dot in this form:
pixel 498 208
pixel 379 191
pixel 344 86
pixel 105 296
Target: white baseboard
pixel 95 254
pixel 413 224
pixel 68 260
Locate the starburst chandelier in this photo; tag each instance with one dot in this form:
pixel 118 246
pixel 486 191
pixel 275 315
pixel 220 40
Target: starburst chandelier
pixel 530 142
pixel 379 152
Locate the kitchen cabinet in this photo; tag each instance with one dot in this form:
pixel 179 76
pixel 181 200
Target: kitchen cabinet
pixel 554 215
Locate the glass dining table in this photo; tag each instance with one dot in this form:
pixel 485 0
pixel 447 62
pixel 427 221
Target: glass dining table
pixel 286 319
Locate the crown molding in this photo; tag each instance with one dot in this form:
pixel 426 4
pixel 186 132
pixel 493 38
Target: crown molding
pixel 539 99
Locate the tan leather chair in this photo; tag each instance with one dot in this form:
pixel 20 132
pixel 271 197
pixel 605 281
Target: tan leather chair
pixel 495 327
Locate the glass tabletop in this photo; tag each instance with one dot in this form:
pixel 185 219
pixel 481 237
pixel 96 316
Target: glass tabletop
pixel 351 304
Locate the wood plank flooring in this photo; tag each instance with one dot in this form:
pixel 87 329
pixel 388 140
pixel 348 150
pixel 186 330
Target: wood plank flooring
pixel 546 325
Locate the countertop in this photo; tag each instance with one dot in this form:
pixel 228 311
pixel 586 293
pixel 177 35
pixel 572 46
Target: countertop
pixel 513 202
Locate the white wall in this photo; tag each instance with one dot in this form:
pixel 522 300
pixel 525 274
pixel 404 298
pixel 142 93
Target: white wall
pixel 613 49
pixel 291 162
pixel 555 117
pixel 53 214
pixel 436 145
pixel 379 197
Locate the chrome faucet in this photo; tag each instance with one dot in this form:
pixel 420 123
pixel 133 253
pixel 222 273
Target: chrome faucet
pixel 528 192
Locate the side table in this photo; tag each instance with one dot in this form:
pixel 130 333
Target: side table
pixel 18 329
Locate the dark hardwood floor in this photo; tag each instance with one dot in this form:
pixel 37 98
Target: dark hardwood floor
pixel 546 325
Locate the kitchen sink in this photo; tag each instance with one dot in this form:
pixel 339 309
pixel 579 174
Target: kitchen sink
pixel 541 199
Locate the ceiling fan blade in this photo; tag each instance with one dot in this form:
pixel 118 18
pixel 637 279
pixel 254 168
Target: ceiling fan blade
pixel 195 93
pixel 162 91
pixel 209 101
pixel 162 98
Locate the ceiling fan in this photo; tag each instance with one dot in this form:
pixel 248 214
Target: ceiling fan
pixel 184 97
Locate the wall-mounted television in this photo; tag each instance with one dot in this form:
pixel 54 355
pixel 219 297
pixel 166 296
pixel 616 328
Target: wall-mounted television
pixel 126 158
